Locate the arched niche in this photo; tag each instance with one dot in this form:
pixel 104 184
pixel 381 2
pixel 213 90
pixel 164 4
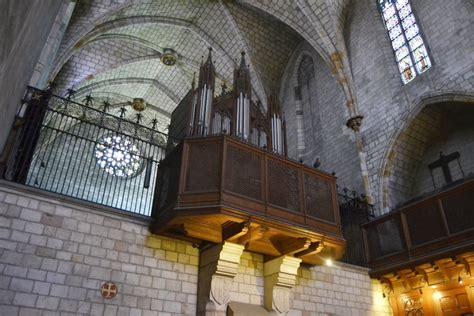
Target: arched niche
pixel 442 123
pixel 315 111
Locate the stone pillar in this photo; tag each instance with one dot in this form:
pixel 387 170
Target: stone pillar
pixel 218 266
pixel 280 277
pixel 354 123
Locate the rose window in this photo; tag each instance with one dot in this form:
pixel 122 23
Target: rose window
pixel 118 156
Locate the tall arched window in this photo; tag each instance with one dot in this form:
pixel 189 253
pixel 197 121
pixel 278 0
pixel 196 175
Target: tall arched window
pixel 309 109
pixel 407 43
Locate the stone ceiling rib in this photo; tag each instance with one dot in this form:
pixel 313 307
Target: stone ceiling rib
pixel 115 81
pixel 97 57
pixel 139 30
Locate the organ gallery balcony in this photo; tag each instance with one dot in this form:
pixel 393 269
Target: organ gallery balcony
pixel 216 189
pixel 421 234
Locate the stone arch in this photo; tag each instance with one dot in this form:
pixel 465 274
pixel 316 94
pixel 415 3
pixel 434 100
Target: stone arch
pixel 335 145
pixel 395 155
pixel 288 87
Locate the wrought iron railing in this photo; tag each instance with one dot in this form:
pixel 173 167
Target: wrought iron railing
pixel 355 211
pixel 80 151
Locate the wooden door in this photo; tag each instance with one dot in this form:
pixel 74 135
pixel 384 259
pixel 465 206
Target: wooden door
pixel 452 302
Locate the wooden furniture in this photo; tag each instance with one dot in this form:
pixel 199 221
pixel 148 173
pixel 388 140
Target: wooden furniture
pixel 424 253
pixel 437 226
pixel 219 189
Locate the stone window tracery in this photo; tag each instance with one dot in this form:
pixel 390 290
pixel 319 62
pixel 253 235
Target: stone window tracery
pixel 118 156
pixel 408 46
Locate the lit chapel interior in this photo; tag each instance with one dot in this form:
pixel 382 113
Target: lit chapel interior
pixel 237 157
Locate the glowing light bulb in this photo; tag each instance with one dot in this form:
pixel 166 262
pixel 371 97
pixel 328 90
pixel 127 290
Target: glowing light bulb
pixel 329 262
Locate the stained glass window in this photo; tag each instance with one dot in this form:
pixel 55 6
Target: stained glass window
pixel 118 156
pixel 411 54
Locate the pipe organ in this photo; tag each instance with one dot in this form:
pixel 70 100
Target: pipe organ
pixel 231 112
pixel 228 180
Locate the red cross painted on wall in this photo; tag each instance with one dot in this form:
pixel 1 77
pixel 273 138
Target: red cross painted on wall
pixel 108 290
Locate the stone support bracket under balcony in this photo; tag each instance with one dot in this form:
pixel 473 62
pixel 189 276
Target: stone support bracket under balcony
pixel 280 277
pixel 217 268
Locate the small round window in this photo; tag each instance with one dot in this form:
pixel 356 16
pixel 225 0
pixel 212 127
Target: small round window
pixel 118 156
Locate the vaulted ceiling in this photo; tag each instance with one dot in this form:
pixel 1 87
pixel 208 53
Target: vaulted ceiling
pixel 112 49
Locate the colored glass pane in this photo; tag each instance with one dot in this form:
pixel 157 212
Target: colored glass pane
pixel 410 52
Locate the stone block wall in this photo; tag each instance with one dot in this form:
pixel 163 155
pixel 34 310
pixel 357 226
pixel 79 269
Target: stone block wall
pixel 54 257
pixel 340 289
pixel 385 102
pixel 457 135
pixel 55 254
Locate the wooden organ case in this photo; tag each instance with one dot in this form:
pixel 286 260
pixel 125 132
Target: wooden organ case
pixel 227 178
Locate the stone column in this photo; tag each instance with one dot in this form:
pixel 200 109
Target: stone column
pixel 218 266
pixel 280 277
pixel 354 123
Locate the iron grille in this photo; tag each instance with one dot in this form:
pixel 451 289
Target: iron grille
pixel 59 144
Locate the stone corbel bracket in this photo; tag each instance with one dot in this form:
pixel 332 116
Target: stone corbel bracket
pixel 217 268
pixel 280 277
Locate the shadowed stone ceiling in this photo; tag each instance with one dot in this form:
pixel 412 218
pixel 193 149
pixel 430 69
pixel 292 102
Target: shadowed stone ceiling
pixel 112 49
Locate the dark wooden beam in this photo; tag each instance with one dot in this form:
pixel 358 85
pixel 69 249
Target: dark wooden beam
pixel 254 233
pixel 313 249
pixel 290 246
pixel 233 230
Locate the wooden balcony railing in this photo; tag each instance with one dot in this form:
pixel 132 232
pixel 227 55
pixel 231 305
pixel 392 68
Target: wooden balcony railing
pixel 208 185
pixel 437 226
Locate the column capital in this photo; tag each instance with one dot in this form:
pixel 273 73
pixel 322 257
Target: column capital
pixel 355 122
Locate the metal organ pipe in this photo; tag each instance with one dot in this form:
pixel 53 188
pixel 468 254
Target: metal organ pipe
pixel 208 110
pixel 277 138
pixel 193 113
pixel 237 129
pixel 201 110
pixel 273 133
pixel 246 118
pixel 226 127
pixel 279 135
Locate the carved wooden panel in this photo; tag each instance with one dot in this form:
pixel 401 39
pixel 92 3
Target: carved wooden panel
pixel 243 172
pixel 283 185
pixel 452 302
pixel 203 172
pixel 318 198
